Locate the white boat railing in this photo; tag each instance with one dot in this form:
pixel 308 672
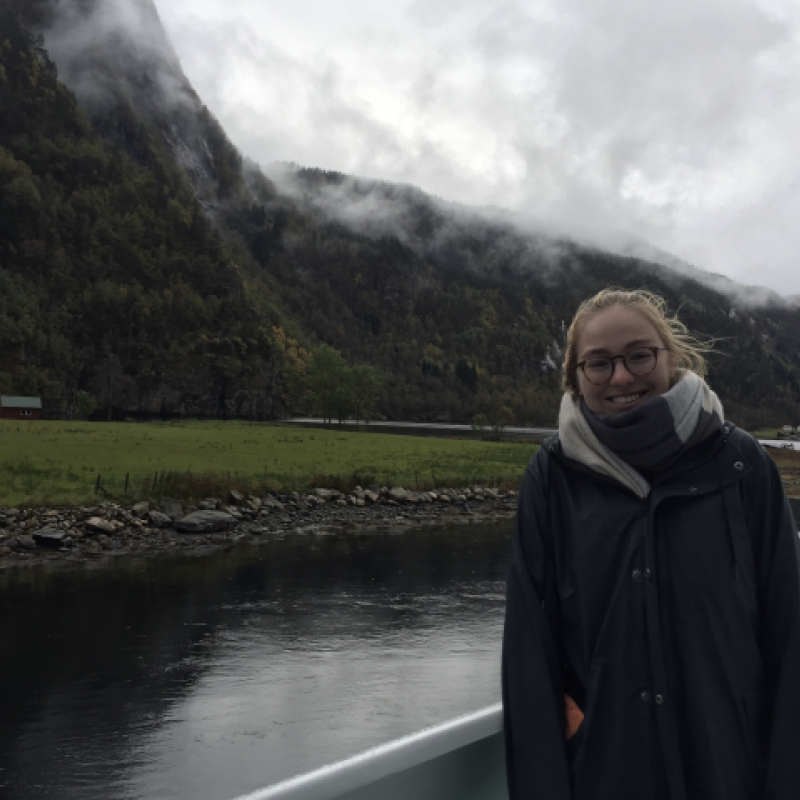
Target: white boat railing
pixel 462 758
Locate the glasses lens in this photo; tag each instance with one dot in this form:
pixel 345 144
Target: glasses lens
pixel 598 370
pixel 641 361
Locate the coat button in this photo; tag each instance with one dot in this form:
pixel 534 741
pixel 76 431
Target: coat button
pixel 660 699
pixel 738 465
pixel 692 489
pixel 648 574
pixel 636 574
pixel 645 696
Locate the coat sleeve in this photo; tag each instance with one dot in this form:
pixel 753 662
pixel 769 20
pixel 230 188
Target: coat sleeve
pixel 533 697
pixel 778 563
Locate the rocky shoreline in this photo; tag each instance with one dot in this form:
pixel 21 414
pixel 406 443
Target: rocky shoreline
pixel 48 536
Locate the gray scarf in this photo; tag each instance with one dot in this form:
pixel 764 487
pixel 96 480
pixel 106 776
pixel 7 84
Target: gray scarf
pixel 649 437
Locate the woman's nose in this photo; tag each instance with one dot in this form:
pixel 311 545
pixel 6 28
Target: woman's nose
pixel 621 376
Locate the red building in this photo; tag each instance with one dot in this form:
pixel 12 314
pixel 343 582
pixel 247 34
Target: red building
pixel 21 408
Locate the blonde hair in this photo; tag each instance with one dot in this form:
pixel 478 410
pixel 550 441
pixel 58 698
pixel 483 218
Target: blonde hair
pixel 685 350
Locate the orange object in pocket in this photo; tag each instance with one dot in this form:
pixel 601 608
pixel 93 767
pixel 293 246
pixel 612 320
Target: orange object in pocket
pixel 574 716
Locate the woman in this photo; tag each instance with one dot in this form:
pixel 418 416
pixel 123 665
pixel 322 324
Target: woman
pixel 652 638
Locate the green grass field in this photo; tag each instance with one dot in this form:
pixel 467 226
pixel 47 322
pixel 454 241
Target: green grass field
pixel 765 433
pixel 57 463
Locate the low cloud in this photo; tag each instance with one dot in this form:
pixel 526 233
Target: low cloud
pixel 673 123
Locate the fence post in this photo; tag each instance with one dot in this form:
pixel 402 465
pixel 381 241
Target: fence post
pixel 127 478
pixel 97 485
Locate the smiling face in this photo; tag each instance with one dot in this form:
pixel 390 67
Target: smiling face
pixel 613 332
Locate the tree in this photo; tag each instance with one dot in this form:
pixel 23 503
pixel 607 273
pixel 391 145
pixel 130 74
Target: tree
pixel 111 385
pixel 365 384
pixel 85 405
pixel 480 423
pixel 502 417
pixel 327 378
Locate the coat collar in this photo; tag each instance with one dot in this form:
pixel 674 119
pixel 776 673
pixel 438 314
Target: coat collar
pixel 709 466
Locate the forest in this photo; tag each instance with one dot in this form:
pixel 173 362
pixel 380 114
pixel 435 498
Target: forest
pixel 152 288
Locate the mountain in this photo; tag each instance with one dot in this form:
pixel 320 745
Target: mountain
pixel 144 261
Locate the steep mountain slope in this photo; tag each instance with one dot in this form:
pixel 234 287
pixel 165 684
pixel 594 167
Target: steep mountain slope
pixel 473 311
pixel 112 276
pixel 160 272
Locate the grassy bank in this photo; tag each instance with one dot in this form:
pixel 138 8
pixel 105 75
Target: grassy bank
pixel 59 462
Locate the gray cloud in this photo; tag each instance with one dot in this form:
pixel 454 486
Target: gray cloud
pixel 674 123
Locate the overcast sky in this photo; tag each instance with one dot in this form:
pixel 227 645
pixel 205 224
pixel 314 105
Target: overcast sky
pixel 675 121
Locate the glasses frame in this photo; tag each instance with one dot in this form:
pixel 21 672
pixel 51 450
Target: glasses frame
pixel 613 359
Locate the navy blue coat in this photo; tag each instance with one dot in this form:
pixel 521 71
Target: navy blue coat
pixel 673 621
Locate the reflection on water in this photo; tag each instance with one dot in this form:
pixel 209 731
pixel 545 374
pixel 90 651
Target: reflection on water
pixel 205 678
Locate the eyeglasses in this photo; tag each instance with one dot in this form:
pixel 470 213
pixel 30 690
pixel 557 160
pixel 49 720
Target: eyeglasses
pixel 639 361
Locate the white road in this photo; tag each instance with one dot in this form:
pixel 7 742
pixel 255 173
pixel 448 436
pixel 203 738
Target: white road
pixel 446 427
pixel 443 427
pixel 780 444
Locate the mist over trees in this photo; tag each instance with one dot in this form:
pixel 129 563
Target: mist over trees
pixel 134 283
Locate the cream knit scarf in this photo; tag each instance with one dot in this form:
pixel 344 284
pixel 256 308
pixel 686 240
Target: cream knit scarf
pixel 648 437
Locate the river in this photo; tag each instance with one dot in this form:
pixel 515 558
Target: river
pixel 205 678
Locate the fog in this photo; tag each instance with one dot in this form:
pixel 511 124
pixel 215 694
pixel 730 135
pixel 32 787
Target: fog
pixel 670 125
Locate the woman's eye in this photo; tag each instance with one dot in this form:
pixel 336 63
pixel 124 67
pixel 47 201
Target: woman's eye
pixel 599 363
pixel 640 357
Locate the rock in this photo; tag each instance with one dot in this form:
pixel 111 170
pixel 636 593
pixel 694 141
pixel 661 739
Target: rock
pixel 5 551
pixel 172 510
pixel 360 502
pixel 477 490
pixel 398 493
pixel 205 522
pixel 351 500
pixel 235 498
pixel 341 502
pixel 253 502
pixel 141 509
pixel 325 494
pixel 443 498
pixel 371 496
pixel 159 519
pixel 208 505
pixel 272 502
pixel 99 525
pixel 27 543
pixel 52 539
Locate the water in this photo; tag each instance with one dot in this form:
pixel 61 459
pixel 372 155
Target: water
pixel 206 678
